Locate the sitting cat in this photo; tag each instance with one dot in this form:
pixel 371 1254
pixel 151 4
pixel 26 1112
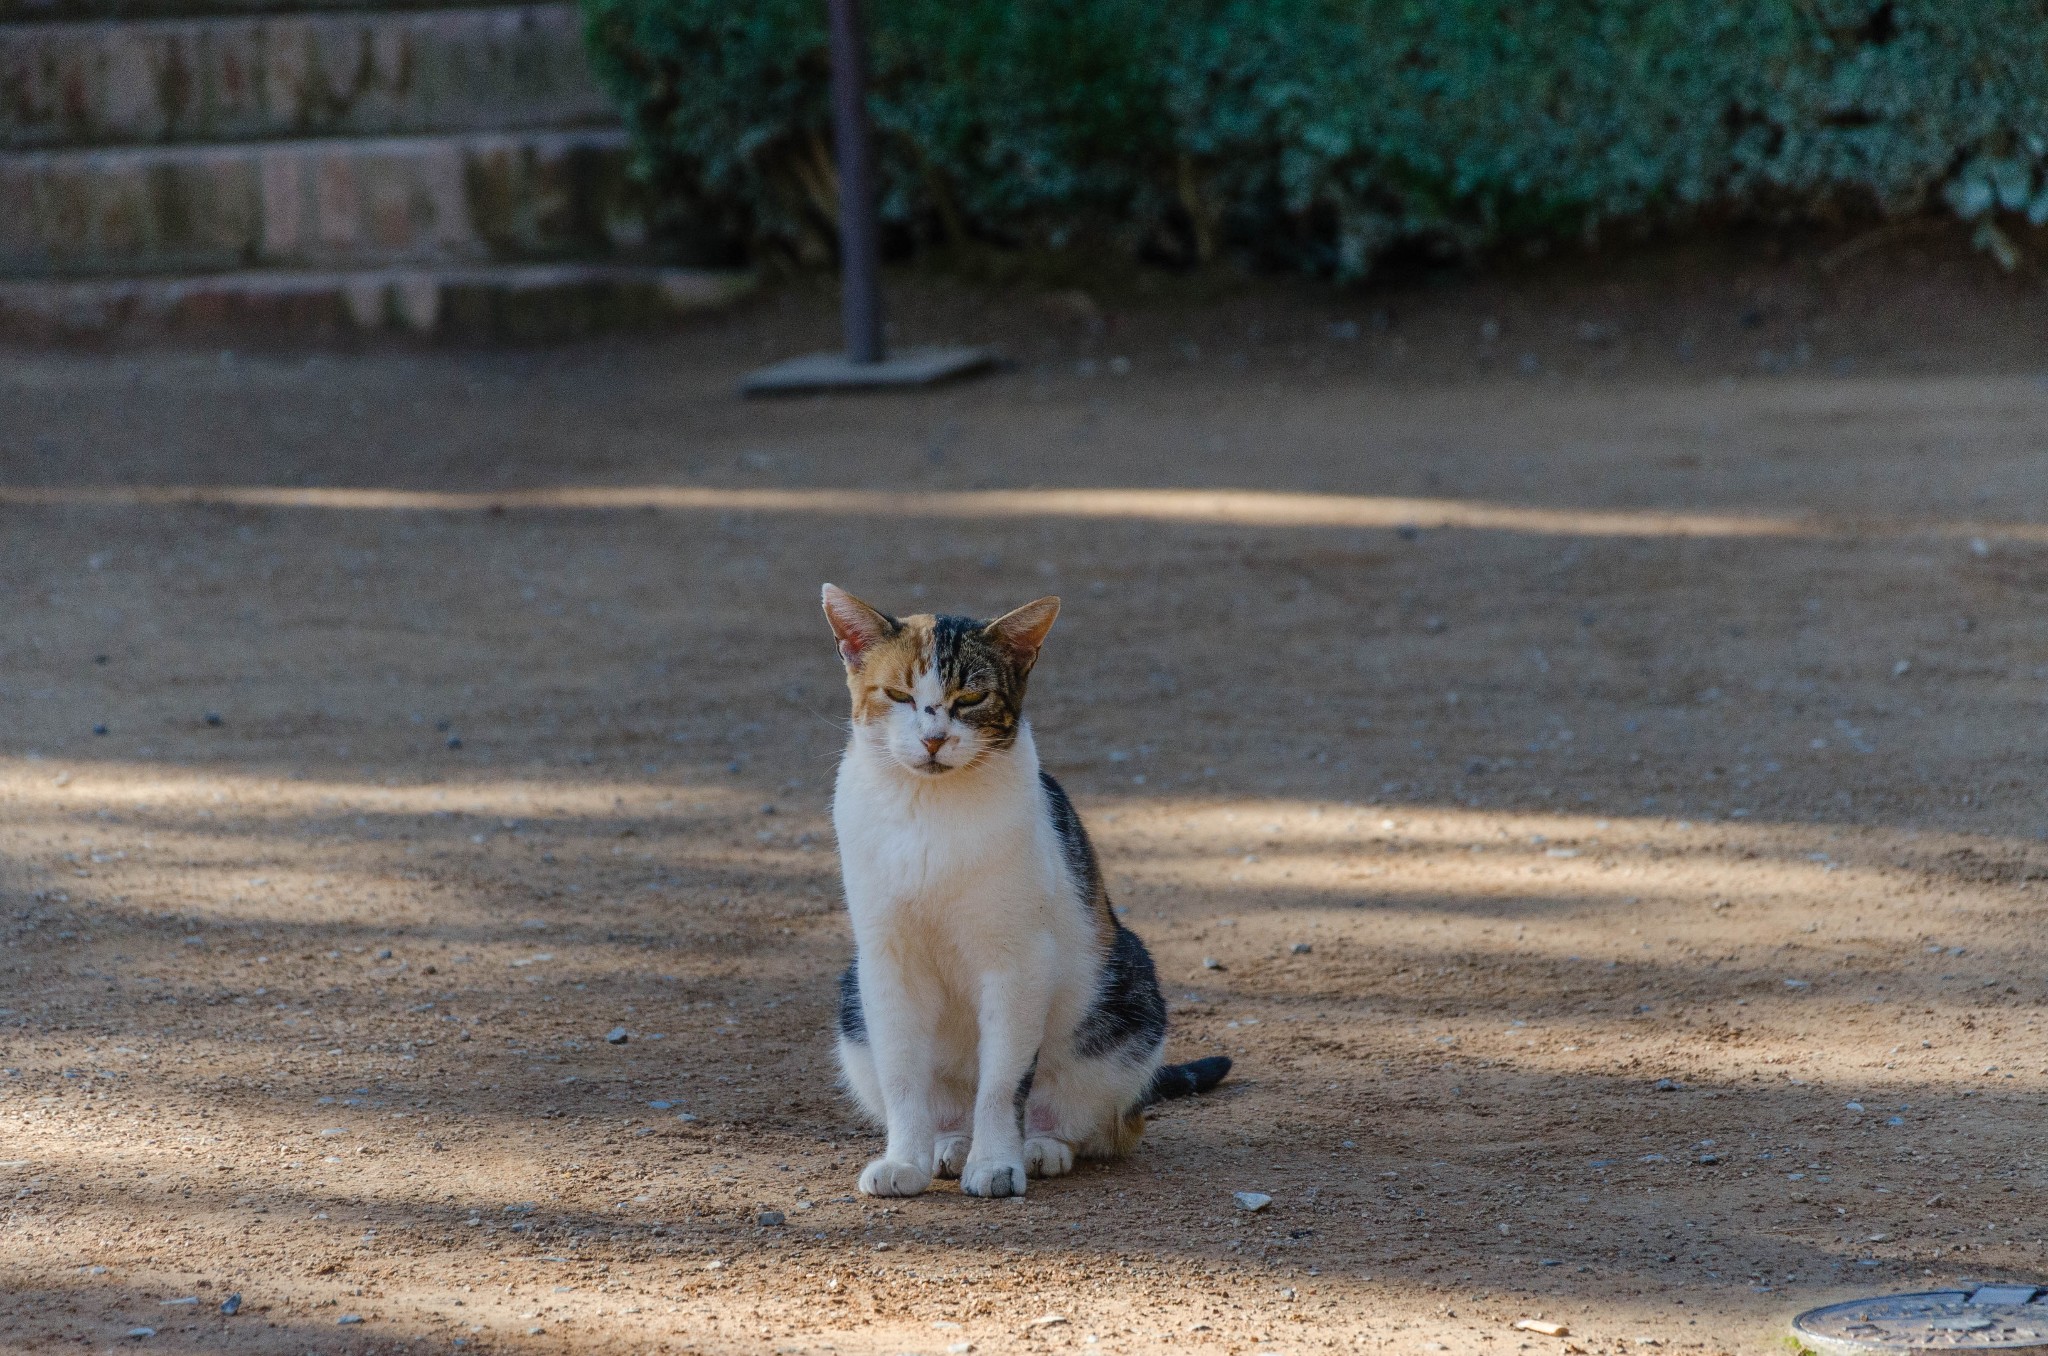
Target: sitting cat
pixel 997 1020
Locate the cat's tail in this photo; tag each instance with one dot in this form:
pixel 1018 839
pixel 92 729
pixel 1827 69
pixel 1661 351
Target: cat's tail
pixel 1185 1080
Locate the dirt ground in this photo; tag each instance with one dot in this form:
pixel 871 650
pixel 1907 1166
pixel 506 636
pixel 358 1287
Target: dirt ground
pixel 1573 736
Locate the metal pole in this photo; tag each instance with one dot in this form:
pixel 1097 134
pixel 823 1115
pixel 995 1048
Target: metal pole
pixel 860 299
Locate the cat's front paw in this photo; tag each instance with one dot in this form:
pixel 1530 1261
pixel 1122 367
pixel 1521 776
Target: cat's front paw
pixel 1048 1157
pixel 887 1177
pixel 992 1177
pixel 949 1155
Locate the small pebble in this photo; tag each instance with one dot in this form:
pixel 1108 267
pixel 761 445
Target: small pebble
pixel 384 953
pixel 142 1332
pixel 454 741
pixel 616 1036
pixel 1254 1201
pixel 1301 948
pixel 232 1305
pixel 349 1318
pixel 213 718
pixel 99 729
pixel 1670 1085
pixel 1211 963
pixel 769 1219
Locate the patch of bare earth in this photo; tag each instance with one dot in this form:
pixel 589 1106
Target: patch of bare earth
pixel 1621 890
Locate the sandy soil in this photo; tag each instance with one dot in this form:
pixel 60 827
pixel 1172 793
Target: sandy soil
pixel 1585 768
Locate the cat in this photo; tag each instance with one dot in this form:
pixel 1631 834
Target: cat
pixel 997 1021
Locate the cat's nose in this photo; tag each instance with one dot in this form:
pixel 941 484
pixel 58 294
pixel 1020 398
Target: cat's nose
pixel 933 743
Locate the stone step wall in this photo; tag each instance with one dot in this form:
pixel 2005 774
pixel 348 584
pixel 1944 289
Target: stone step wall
pixel 137 11
pixel 325 204
pixel 496 301
pixel 313 166
pixel 260 77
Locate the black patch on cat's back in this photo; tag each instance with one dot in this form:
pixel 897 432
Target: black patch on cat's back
pixel 1128 1017
pixel 853 1020
pixel 1074 845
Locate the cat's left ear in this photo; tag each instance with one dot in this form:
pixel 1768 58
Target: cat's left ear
pixel 855 624
pixel 1021 632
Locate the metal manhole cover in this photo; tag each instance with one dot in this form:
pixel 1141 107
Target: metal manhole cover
pixel 1984 1318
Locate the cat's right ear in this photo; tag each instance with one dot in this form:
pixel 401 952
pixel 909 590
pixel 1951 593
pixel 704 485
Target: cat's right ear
pixel 1022 630
pixel 857 625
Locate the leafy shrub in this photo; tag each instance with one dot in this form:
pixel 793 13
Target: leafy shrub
pixel 1320 134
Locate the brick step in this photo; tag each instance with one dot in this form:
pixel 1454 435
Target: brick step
pixel 364 203
pixel 256 77
pixel 79 11
pixel 490 301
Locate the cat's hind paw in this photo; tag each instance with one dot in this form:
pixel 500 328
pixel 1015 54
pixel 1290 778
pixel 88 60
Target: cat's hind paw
pixel 949 1155
pixel 886 1177
pixel 1048 1157
pixel 992 1177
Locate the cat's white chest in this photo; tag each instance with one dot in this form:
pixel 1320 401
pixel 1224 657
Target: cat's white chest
pixel 948 849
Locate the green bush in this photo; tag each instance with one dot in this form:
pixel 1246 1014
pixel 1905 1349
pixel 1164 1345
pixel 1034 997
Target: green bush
pixel 1321 134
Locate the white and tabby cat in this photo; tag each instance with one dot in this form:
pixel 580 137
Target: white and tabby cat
pixel 997 1020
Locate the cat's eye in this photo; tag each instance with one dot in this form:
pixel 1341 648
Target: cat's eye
pixel 896 696
pixel 963 700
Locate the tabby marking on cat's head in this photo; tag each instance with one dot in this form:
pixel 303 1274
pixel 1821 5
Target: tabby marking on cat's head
pixel 937 694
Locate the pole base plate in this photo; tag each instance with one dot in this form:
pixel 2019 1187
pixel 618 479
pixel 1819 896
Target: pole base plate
pixel 908 369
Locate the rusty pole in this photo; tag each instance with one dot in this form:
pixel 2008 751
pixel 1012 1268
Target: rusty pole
pixel 860 295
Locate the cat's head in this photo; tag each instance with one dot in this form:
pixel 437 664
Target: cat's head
pixel 937 694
